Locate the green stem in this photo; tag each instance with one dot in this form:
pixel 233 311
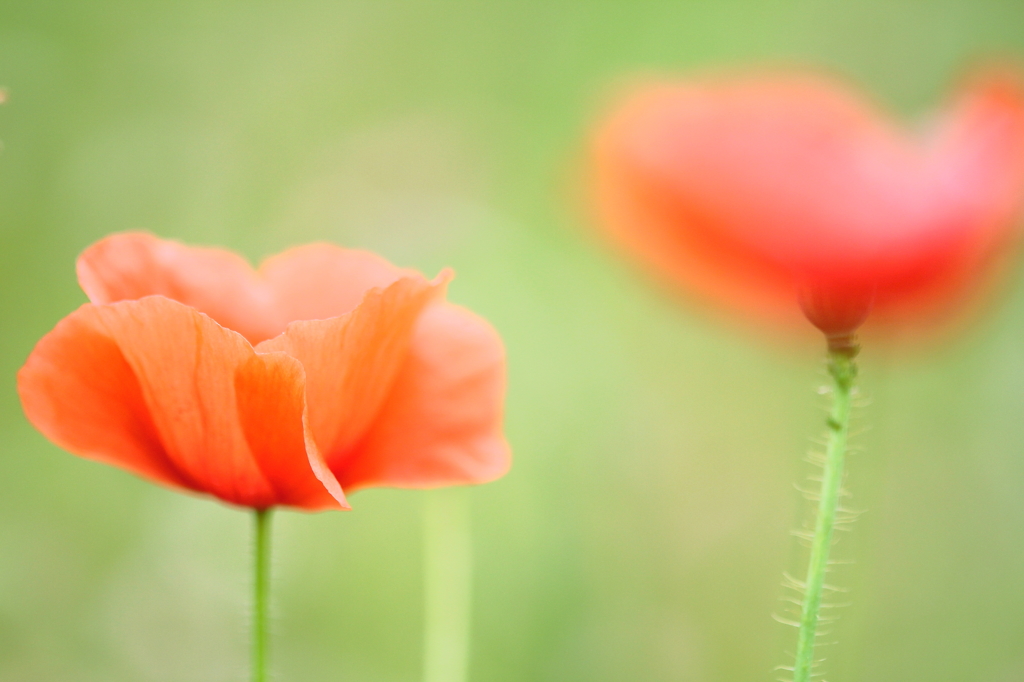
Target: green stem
pixel 448 577
pixel 843 371
pixel 261 592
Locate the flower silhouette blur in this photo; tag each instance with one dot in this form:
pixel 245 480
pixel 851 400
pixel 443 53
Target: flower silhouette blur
pixel 324 371
pixel 785 193
pixel 763 193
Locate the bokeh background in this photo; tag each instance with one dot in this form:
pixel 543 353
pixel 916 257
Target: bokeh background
pixel 644 528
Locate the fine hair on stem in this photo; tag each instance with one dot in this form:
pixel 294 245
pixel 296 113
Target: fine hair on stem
pixel 831 516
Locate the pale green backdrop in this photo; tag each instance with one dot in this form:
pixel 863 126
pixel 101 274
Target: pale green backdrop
pixel 644 528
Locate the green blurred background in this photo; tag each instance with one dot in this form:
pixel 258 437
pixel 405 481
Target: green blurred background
pixel 643 530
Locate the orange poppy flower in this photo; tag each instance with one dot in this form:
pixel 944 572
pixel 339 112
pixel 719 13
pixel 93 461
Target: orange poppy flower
pixel 760 192
pixel 324 371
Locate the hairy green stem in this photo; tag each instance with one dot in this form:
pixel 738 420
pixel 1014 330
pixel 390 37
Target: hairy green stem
pixel 448 577
pixel 843 371
pixel 261 593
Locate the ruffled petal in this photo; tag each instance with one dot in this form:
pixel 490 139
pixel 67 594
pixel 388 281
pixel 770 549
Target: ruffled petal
pixel 77 388
pixel 231 423
pixel 352 361
pixel 320 281
pixel 317 281
pixel 271 395
pixel 442 422
pixel 219 283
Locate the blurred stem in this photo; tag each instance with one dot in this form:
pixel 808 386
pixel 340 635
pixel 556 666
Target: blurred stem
pixel 448 577
pixel 843 371
pixel 261 590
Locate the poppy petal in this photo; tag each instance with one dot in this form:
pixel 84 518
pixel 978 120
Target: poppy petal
pixel 351 361
pixel 316 281
pixel 794 169
pixel 977 154
pixel 749 191
pixel 222 284
pixel 196 377
pixel 77 388
pixel 271 392
pixel 321 281
pixel 441 424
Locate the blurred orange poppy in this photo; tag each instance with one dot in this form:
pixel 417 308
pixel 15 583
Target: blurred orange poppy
pixel 763 191
pixel 324 371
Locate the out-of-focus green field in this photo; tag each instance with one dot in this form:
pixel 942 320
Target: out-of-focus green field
pixel 644 528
